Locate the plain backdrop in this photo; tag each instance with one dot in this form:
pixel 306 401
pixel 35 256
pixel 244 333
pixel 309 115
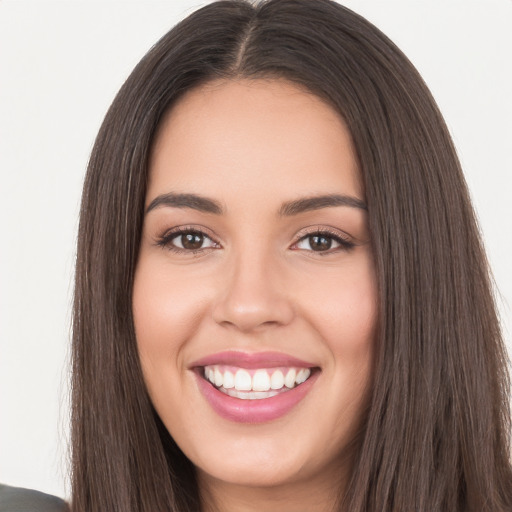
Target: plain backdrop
pixel 61 64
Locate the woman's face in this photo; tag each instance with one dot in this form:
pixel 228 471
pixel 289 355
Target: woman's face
pixel 255 272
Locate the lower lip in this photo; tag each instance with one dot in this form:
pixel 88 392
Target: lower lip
pixel 254 411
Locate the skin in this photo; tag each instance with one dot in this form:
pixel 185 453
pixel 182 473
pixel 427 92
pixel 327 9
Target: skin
pixel 257 285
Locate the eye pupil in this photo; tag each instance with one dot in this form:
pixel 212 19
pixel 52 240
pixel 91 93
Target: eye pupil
pixel 192 240
pixel 320 243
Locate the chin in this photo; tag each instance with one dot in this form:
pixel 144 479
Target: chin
pixel 253 473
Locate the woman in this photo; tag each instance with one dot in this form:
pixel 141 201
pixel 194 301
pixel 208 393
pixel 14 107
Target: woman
pixel 282 300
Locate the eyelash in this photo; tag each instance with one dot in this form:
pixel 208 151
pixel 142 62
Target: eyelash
pixel 166 240
pixel 345 244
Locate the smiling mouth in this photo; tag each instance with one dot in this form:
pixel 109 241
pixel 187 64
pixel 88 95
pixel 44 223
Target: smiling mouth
pixel 255 384
pixel 257 387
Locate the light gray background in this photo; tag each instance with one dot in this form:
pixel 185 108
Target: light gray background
pixel 61 64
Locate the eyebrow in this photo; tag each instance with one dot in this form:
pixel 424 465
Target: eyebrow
pixel 307 204
pixel 194 201
pixel 289 208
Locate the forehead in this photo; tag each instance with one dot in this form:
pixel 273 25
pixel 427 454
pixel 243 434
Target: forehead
pixel 266 137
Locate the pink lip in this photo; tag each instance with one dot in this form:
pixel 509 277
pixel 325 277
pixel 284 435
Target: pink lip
pixel 251 360
pixel 252 411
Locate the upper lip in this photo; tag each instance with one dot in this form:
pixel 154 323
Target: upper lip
pixel 251 360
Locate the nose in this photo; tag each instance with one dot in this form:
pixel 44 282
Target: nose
pixel 253 296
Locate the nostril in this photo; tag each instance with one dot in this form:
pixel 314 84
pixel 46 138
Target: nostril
pixel 247 316
pixel 252 297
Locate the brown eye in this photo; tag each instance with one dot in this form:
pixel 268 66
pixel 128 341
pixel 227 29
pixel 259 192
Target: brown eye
pixel 187 240
pixel 320 243
pixel 324 242
pixel 191 241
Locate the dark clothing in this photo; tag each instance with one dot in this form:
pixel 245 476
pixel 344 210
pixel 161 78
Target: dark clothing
pixel 16 499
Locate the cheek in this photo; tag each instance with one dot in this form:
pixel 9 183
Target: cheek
pixel 344 311
pixel 344 307
pixel 167 310
pixel 351 325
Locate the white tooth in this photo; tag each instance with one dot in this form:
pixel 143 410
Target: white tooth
pixel 302 376
pixel 261 381
pixel 289 380
pixel 243 381
pixel 229 380
pixel 250 395
pixel 211 375
pixel 277 380
pixel 218 378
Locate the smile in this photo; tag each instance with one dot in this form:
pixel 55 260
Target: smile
pixel 254 388
pixel 255 384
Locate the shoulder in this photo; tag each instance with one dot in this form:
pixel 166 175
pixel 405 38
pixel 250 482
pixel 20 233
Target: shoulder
pixel 16 499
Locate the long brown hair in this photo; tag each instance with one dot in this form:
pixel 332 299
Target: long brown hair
pixel 436 436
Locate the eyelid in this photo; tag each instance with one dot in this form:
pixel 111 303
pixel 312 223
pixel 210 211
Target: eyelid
pixel 345 240
pixel 165 239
